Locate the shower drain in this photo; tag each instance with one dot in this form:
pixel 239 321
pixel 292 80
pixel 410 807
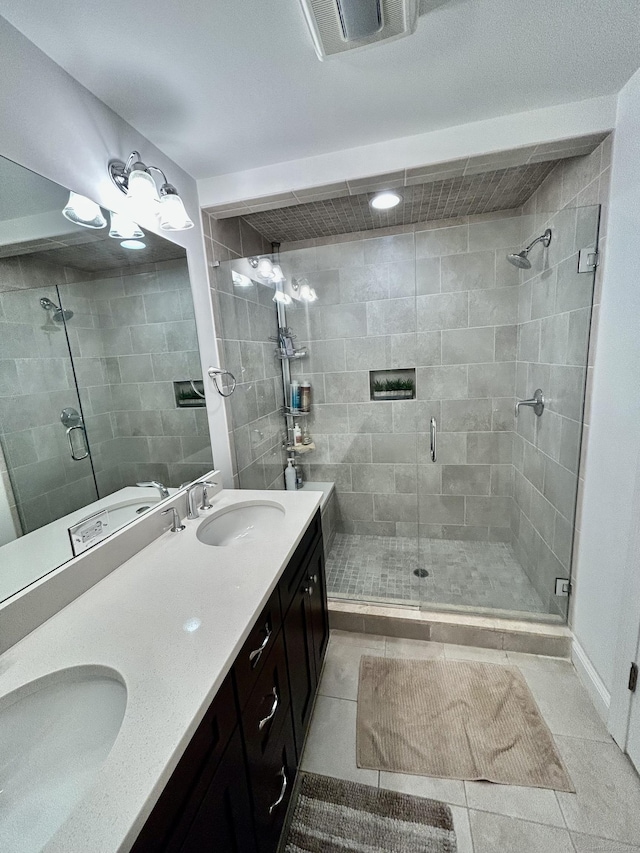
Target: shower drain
pixel 421 573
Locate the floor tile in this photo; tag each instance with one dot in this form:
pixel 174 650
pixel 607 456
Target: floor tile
pixel 462 829
pixel 492 833
pixel 416 649
pixel 564 703
pixel 342 669
pixel 331 743
pixel 607 802
pixel 447 790
pixel 381 568
pixel 536 804
pixel 352 638
pixel 454 652
pixel 547 664
pixel 591 844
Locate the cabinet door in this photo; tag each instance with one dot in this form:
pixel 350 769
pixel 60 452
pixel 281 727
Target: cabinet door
pixel 224 823
pixel 318 607
pixel 298 635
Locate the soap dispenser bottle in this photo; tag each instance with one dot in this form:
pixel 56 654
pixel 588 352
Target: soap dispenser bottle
pixel 290 477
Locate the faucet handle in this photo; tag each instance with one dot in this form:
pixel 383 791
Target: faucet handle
pixel 154 484
pixel 206 504
pixel 176 527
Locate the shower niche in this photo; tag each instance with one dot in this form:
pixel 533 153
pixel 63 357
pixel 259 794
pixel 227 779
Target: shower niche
pixel 390 385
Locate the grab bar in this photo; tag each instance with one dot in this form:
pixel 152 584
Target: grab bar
pixel 433 430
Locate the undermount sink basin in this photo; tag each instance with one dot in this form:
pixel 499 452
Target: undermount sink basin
pixel 55 733
pixel 241 523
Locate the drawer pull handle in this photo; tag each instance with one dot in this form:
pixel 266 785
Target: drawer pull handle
pixel 256 654
pixel 276 701
pixel 283 790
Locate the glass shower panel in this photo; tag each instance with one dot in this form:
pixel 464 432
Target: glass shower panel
pixel 41 418
pixel 360 334
pixel 497 506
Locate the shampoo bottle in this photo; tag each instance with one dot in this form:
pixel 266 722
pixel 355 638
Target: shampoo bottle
pixel 295 396
pixel 290 477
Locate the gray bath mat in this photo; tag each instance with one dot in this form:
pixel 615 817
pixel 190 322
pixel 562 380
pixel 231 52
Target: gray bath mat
pixel 334 816
pixel 454 720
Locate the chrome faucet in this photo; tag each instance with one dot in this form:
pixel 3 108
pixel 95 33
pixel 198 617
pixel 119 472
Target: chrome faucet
pixel 154 484
pixel 192 500
pixel 206 503
pixel 176 526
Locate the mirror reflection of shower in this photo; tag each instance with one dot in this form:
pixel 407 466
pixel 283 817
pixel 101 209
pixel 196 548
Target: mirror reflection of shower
pixel 59 314
pixel 521 259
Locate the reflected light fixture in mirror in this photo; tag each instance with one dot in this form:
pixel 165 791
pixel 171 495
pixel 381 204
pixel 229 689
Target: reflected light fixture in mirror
pixel 240 280
pixel 133 244
pixel 135 180
pixel 385 200
pixel 82 211
pixel 123 228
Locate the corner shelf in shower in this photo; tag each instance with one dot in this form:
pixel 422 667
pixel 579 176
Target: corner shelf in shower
pixel 293 413
pixel 298 353
pixel 300 448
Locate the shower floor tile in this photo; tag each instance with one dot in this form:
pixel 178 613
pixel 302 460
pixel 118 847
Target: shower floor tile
pixel 470 574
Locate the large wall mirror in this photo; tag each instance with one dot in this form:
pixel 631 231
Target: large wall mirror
pixel 100 377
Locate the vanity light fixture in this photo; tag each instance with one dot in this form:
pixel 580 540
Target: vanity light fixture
pixel 123 228
pixel 304 290
pixel 240 280
pixel 281 297
pixel 82 211
pixel 135 180
pixel 385 200
pixel 136 245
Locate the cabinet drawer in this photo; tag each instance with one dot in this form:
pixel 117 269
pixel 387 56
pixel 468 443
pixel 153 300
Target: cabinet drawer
pixel 256 650
pixel 289 581
pixel 183 793
pixel 272 780
pixel 268 704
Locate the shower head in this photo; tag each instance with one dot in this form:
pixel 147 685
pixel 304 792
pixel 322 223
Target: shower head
pixel 521 259
pixel 59 314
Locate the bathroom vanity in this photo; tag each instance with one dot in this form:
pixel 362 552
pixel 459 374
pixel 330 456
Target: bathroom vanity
pixel 217 639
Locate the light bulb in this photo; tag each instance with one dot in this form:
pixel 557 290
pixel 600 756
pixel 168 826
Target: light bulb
pixel 173 216
pixel 265 268
pixel 240 280
pixel 123 228
pixel 133 244
pixel 282 297
pixel 82 211
pixel 385 200
pixel 278 275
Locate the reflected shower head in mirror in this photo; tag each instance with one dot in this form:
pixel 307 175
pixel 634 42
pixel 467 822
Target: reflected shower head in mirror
pixel 59 314
pixel 521 259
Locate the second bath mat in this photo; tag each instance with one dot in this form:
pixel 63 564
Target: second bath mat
pixel 454 720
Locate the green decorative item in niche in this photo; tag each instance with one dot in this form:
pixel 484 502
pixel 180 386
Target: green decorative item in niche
pixel 393 389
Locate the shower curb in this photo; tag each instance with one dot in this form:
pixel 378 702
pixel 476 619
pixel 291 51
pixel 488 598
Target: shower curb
pixel 512 635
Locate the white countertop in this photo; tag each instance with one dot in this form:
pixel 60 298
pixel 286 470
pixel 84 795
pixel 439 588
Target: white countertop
pixel 140 622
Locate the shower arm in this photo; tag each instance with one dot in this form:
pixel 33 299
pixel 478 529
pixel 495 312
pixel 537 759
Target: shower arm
pixel 543 238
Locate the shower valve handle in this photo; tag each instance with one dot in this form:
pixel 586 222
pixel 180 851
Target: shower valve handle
pixel 536 403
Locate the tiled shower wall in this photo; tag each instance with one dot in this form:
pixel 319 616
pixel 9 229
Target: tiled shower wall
pixel 556 321
pixel 441 298
pixel 245 320
pixel 132 335
pixel 36 382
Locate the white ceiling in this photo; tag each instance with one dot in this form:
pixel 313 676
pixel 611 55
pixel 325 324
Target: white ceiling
pixel 226 85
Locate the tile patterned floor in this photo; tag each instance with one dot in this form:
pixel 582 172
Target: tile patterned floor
pixel 472 574
pixel 604 814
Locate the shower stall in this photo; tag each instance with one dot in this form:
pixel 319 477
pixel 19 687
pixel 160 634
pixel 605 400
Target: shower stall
pixel 447 365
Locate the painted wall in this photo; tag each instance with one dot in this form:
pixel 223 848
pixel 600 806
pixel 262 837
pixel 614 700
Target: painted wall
pixel 614 428
pixel 54 126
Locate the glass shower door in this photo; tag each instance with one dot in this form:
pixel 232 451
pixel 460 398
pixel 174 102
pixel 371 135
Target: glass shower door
pixel 41 421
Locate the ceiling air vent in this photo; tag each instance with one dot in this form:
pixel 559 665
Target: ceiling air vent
pixel 340 25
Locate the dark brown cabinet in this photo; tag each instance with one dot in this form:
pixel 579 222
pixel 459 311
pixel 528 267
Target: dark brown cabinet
pixel 231 788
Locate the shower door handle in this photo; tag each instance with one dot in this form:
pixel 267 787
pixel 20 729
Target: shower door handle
pixel 433 429
pixel 70 440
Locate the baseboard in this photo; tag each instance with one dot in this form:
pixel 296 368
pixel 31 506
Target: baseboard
pixel 591 681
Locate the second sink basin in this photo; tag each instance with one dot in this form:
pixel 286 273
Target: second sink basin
pixel 55 733
pixel 241 523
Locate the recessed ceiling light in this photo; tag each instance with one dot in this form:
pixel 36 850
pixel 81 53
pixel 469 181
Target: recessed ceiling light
pixel 385 200
pixel 133 244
